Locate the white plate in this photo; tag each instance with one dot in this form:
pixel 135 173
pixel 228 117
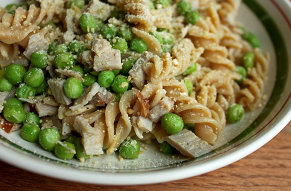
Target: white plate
pixel 237 141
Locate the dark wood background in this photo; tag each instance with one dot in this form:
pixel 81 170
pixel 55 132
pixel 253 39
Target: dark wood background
pixel 269 168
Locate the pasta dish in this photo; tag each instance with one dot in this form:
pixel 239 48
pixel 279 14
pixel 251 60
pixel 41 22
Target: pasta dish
pixel 83 78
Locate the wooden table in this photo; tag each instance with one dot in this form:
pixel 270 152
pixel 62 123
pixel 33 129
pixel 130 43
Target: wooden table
pixel 269 168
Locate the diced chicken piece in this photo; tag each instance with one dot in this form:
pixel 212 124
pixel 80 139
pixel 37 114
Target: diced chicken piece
pixel 86 57
pixel 136 73
pixel 70 73
pixel 188 144
pixel 72 16
pixel 51 122
pixel 106 58
pixel 50 101
pixel 66 129
pixel 163 107
pixel 144 124
pixel 100 10
pixel 3 97
pixel 57 89
pixel 102 98
pixel 45 110
pixel 36 42
pixel 92 137
pixel 95 94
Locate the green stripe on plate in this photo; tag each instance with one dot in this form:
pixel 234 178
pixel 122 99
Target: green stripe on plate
pixel 281 78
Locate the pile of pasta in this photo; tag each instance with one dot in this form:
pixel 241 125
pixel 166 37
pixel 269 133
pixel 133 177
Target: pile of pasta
pixel 214 43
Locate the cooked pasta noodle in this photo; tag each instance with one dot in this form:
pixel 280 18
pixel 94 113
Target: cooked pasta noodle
pixel 116 70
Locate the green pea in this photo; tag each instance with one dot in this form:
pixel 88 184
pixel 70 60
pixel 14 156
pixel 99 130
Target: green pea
pixel 94 73
pixel 192 17
pixel 183 7
pixel 120 84
pixel 172 123
pixel 189 86
pixel 5 85
pixel 73 88
pixel 76 47
pixel 48 138
pixel 129 149
pixel 15 73
pixel 71 139
pixel 88 23
pixel 151 5
pixel 89 80
pixel 190 69
pixel 64 60
pixel 30 132
pixel 105 78
pixel 39 59
pixel 23 5
pixel 235 113
pixel 248 60
pixel 34 77
pixel 32 118
pixel 78 68
pixel 166 148
pixel 65 150
pixel 2 72
pixel 42 88
pixel 163 3
pixel 116 72
pixel 51 24
pixel 189 126
pixel 138 45
pixel 252 39
pixel 117 96
pixel 109 31
pixel 127 65
pixel 78 3
pixel 52 47
pixel 13 102
pixel 25 91
pixel 61 48
pixel 14 114
pixel 242 72
pixel 80 151
pixel 11 6
pixel 118 14
pixel 166 40
pixel 119 44
pixel 125 33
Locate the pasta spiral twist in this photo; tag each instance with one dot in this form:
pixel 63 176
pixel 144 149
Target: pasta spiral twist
pixel 207 122
pixel 253 89
pixel 138 13
pixel 184 55
pixel 228 11
pixel 14 28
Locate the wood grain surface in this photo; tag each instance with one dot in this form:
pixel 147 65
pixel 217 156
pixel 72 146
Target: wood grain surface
pixel 269 168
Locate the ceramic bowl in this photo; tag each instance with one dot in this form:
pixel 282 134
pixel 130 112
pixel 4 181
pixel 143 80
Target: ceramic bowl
pixel 270 20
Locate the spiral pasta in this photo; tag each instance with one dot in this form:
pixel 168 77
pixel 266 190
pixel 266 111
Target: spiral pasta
pixel 251 95
pixel 138 13
pixel 14 28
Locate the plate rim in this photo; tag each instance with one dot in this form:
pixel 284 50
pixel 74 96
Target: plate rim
pixel 57 171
